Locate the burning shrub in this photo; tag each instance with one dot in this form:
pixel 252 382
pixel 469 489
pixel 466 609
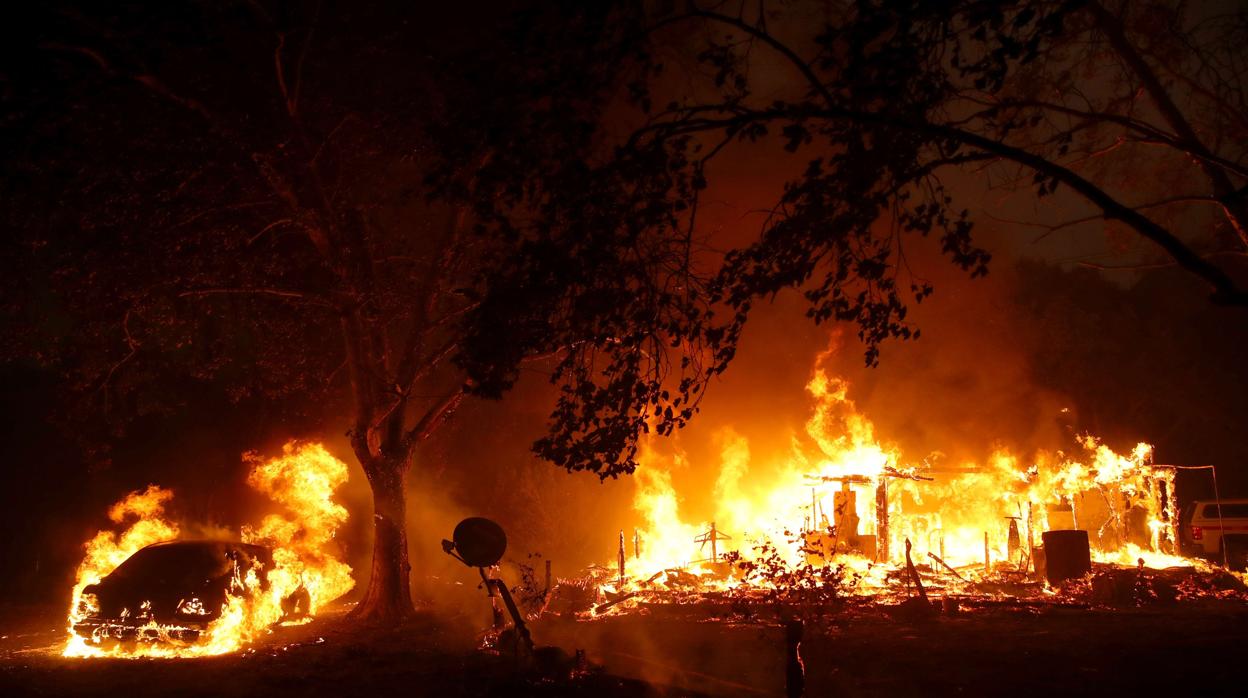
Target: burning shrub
pixel 807 590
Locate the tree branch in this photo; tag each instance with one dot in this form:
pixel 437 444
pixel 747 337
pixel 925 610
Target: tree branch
pixel 434 417
pixel 133 347
pixel 360 434
pixel 1236 212
pixel 1156 265
pixel 1226 290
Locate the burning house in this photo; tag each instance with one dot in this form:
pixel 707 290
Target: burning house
pixel 847 500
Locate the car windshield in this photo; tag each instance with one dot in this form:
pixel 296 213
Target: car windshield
pixel 175 561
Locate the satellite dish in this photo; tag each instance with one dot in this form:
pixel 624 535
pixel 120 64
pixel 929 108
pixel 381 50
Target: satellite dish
pixel 479 542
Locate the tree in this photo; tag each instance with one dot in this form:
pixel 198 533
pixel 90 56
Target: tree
pixel 249 212
pixel 891 100
pixel 237 196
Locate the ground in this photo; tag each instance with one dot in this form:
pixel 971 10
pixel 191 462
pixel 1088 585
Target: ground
pixel 1194 648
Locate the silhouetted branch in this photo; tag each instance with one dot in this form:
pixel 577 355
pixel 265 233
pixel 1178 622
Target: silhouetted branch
pixel 1236 213
pixel 133 347
pixel 1225 289
pixel 434 417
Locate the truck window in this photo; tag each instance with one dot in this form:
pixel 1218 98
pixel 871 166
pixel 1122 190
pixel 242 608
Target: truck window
pixel 1229 511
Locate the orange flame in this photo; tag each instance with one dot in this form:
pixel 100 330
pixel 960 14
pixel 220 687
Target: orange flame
pixel 303 479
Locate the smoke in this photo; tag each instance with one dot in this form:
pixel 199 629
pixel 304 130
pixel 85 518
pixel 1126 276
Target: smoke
pixel 965 387
pixel 198 530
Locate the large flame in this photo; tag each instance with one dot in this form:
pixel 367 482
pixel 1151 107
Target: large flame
pixel 302 480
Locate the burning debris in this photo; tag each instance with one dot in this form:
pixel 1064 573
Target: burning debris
pixel 284 570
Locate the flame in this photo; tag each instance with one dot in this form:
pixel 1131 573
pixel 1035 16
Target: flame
pixel 108 549
pixel 667 537
pixel 302 480
pixel 846 438
pixel 845 495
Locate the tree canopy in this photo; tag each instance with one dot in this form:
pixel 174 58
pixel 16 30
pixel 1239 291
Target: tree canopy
pixel 888 102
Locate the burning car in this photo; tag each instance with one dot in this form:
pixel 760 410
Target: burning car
pixel 171 592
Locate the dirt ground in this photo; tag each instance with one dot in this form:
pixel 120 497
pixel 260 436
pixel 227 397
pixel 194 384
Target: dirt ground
pixel 1187 649
pixel 427 656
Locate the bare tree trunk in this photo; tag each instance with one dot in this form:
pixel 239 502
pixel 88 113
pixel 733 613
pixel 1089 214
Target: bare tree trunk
pixel 388 597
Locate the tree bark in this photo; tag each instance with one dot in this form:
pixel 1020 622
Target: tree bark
pixel 1233 203
pixel 388 597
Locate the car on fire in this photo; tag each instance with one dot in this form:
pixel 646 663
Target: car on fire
pixel 172 591
pixel 1217 531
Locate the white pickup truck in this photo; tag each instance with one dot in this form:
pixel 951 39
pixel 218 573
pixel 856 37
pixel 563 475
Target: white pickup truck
pixel 1205 530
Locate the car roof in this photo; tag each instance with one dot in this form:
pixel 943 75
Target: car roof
pixel 208 542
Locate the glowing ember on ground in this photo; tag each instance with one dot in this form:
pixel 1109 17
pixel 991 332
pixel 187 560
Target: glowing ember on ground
pixel 302 480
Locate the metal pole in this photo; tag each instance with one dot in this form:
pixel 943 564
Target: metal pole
pixel 1221 526
pixel 497 586
pixel 1031 530
pixel 489 590
pixel 621 559
pixel 987 559
pixel 881 521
